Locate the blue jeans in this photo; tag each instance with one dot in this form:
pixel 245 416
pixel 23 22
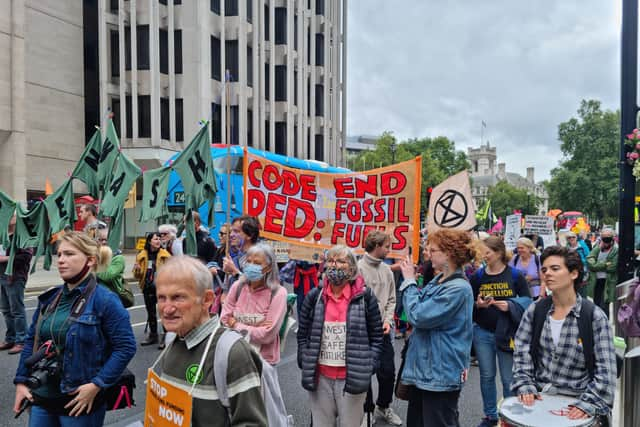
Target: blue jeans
pixel 41 418
pixel 12 308
pixel 484 343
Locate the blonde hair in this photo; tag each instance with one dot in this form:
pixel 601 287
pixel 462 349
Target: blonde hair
pixel 90 248
pixel 525 241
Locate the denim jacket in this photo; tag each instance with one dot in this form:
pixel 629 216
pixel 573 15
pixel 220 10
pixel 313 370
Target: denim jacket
pixel 440 344
pixel 99 343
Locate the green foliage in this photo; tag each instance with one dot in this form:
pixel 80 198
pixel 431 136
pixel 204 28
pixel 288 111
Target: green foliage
pixel 587 178
pixel 505 198
pixel 440 159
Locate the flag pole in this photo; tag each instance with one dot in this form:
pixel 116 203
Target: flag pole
pixel 227 79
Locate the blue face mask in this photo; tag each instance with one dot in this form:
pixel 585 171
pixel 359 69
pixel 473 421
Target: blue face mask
pixel 253 272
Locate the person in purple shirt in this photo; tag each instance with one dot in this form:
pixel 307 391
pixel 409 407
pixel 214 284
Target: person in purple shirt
pixel 528 262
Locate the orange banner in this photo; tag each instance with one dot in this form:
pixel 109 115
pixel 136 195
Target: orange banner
pixel 166 405
pixel 320 210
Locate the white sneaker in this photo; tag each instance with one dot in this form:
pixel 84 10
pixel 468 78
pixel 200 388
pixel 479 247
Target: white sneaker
pixel 388 415
pixel 364 420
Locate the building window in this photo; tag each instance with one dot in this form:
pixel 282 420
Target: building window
pixel 281 25
pixel 297 150
pixel 144 116
pixel 143 47
pixel 320 148
pixel 215 6
pixel 281 138
pixel 249 66
pixel 231 7
pixel 266 22
pixel 295 32
pixel 319 100
pixel 319 7
pixel 177 51
pixel 165 132
pixel 115 108
pixel 281 82
pixel 127 48
pixel 267 132
pixel 179 120
pixel 250 11
pixel 295 88
pixel 216 123
pixel 319 49
pixel 308 48
pixel 113 6
pixel 231 59
pixel 216 58
pixel 266 81
pixel 250 128
pixel 129 116
pixel 164 52
pixel 115 54
pixel 308 100
pixel 234 125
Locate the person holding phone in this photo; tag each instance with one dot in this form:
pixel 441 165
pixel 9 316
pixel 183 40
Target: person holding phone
pixel 501 295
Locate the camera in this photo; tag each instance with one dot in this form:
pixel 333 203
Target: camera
pixel 42 365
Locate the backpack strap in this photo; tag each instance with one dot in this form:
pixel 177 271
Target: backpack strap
pixel 221 363
pixel 516 259
pixel 540 312
pixel 585 328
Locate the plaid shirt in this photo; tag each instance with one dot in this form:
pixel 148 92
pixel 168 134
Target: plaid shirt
pixel 562 368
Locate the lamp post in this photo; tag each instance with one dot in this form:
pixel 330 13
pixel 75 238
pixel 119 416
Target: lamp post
pixel 393 152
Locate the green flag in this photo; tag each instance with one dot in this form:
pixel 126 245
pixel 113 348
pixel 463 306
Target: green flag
pixel 108 156
pixel 87 168
pixel 61 207
pixel 155 185
pixel 7 208
pixel 32 231
pixel 115 195
pixel 483 213
pixel 195 167
pixel 115 229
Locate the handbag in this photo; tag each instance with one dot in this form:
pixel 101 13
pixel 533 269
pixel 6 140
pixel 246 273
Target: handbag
pixel 120 394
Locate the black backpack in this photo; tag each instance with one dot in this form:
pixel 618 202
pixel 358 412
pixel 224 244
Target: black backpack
pixel 585 332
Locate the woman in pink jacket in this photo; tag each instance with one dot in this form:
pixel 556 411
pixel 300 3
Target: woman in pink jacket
pixel 256 303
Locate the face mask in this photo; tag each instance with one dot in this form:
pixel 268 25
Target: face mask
pixel 335 276
pixel 253 272
pixel 607 240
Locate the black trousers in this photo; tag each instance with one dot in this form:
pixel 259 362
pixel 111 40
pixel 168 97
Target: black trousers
pixel 599 296
pixel 433 408
pixel 386 375
pixel 150 300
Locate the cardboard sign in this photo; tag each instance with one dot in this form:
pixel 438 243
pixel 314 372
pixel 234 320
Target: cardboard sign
pixel 512 231
pixel 166 405
pixel 322 210
pixel 333 345
pixel 538 224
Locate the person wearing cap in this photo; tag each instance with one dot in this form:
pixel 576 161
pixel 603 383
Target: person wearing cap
pixel 603 263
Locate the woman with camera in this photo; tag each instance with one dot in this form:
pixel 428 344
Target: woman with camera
pixel 79 343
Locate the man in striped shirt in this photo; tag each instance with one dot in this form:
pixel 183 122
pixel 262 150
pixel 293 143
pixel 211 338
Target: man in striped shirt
pixel 183 288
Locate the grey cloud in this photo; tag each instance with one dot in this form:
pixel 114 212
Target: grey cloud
pixel 428 68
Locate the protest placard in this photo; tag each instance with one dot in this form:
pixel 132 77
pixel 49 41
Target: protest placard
pixel 166 405
pixel 512 231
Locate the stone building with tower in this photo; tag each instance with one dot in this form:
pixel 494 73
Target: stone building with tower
pixel 486 172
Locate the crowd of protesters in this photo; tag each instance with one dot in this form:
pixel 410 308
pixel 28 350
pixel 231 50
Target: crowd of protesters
pixel 468 296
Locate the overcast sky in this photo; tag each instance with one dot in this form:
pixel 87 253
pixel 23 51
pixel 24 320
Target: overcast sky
pixel 424 68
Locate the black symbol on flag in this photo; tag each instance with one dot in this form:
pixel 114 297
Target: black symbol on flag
pixel 451 209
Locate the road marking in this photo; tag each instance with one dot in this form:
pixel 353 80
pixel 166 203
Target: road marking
pixel 135 325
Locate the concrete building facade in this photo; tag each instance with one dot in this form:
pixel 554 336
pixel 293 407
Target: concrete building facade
pixel 486 172
pixel 159 67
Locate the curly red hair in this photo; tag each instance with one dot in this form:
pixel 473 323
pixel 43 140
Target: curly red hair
pixel 457 245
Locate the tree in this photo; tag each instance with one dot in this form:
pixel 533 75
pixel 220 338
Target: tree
pixel 440 159
pixel 587 178
pixel 505 198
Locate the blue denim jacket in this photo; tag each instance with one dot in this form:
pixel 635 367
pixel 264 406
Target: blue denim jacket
pixel 440 344
pixel 99 343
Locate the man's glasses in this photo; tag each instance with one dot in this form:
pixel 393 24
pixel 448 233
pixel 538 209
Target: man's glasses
pixel 163 234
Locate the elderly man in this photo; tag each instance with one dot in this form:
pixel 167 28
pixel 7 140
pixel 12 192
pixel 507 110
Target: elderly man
pixel 183 287
pixel 169 236
pixel 603 263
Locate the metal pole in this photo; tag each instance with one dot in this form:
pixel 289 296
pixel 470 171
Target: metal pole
pixel 227 89
pixel 628 121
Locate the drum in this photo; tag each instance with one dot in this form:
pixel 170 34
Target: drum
pixel 550 411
